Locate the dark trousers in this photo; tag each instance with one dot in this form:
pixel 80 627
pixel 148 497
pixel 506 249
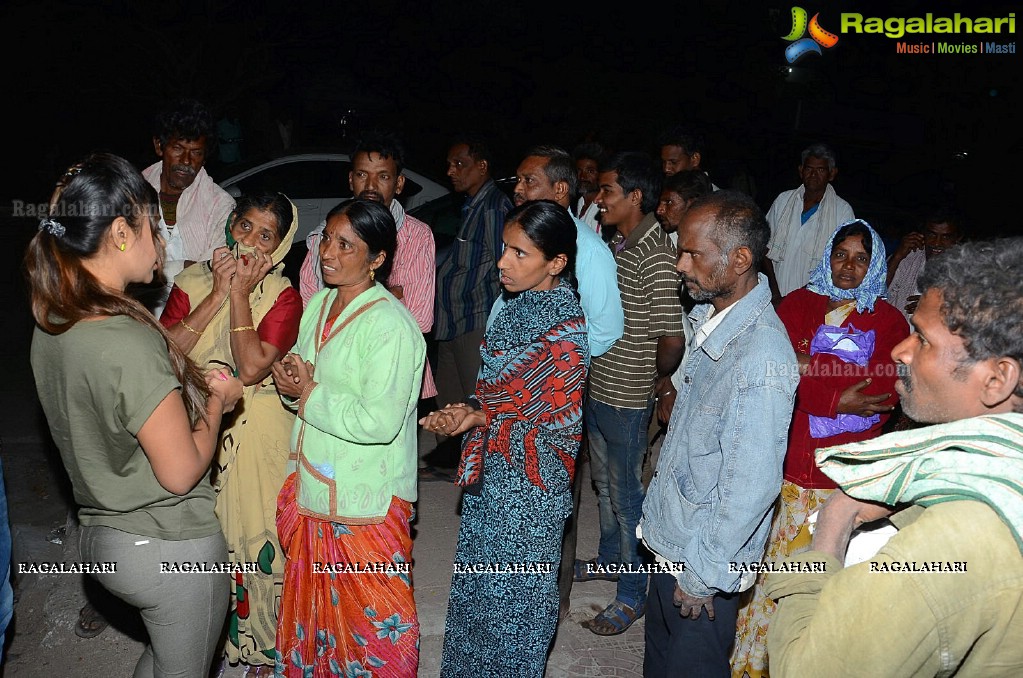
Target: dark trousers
pixel 678 647
pixel 568 543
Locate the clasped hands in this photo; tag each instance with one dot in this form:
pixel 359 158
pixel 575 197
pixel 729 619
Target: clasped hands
pixel 452 419
pixel 225 386
pixel 291 375
pixel 242 274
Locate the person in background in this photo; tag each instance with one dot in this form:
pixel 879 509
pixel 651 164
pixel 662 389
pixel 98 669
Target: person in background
pixel 587 158
pixel 677 193
pixel 239 311
pixel 524 430
pixel 193 208
pixel 622 381
pixel 837 402
pixel 802 221
pixel 941 230
pixel 354 377
pixel 135 420
pixel 681 149
pixel 467 276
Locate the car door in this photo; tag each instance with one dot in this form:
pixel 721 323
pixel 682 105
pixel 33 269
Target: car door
pixel 314 185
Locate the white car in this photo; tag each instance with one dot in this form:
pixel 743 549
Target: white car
pixel 316 182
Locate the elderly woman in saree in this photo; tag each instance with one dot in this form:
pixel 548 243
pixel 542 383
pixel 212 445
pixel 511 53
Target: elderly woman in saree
pixel 239 311
pixel 843 333
pixel 525 427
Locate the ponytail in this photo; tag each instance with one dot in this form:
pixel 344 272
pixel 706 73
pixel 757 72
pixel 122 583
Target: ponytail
pixel 86 201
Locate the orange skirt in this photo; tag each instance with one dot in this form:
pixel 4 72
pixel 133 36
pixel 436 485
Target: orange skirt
pixel 341 613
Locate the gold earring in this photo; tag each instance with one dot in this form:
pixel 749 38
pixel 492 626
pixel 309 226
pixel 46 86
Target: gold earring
pixel 372 275
pixel 123 246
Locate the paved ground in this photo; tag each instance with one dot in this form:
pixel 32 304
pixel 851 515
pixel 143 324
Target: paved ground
pixel 42 643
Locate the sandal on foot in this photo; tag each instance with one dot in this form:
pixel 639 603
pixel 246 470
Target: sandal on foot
pixel 615 619
pixel 90 622
pixel 591 570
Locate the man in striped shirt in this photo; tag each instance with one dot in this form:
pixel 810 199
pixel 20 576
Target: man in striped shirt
pixel 467 277
pixel 377 164
pixel 621 393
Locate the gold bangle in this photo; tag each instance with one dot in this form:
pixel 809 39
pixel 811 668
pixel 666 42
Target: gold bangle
pixel 243 328
pixel 190 328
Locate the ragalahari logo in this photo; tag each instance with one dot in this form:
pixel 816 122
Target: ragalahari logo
pixel 801 46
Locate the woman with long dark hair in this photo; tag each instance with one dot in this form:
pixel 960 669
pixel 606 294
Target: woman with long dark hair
pixel 518 459
pixel 135 421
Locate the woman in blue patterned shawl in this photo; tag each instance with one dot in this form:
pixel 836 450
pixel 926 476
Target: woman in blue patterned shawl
pixel 525 428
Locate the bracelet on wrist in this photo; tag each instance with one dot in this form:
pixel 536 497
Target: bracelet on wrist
pixel 190 328
pixel 243 328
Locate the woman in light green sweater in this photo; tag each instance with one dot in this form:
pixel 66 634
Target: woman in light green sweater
pixel 354 377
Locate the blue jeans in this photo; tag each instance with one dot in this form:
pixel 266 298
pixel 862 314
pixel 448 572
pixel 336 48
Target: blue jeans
pixel 618 440
pixel 6 593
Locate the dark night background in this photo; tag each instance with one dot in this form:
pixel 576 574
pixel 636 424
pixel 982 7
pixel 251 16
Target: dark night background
pixel 908 129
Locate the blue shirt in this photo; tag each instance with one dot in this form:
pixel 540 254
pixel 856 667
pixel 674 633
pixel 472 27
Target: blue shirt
pixel 596 272
pixel 467 277
pixel 710 501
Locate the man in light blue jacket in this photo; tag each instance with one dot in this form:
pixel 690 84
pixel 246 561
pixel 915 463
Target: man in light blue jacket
pixel 710 502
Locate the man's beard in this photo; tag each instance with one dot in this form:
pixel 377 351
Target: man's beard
pixel 715 289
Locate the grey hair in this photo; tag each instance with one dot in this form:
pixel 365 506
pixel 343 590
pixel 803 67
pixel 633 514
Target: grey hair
pixel 981 286
pixel 739 222
pixel 559 165
pixel 822 151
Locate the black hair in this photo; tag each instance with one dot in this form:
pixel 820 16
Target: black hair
pixel 550 227
pixel 385 144
pixel 943 214
pixel 739 222
pixel 89 197
pixel 689 140
pixel 851 229
pixel 981 286
pixel 186 119
pixel 636 171
pixel 590 150
pixel 374 224
pixel 276 204
pixel 478 148
pixel 688 184
pixel 559 165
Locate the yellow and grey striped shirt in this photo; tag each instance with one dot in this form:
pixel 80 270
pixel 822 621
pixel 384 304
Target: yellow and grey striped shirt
pixel 624 376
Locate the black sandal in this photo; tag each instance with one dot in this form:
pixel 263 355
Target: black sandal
pixel 90 622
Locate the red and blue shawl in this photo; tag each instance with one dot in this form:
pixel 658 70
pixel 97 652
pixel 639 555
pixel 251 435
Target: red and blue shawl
pixel 535 358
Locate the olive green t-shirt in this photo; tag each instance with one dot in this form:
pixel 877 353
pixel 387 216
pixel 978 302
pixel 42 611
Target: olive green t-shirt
pixel 98 383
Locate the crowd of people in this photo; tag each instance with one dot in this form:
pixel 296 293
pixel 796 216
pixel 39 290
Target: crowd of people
pixel 751 392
